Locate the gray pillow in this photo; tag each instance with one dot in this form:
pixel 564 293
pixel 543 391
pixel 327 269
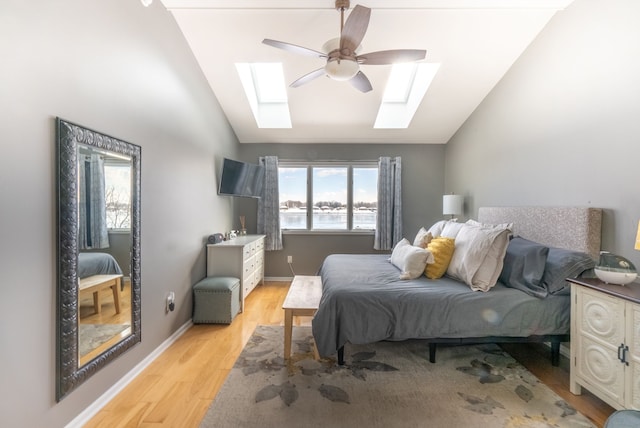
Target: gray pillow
pixel 562 264
pixel 524 265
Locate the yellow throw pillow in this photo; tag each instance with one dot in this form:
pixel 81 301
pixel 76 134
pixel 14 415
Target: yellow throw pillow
pixel 442 250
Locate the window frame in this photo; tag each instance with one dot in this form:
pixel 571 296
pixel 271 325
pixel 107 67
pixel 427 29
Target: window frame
pixel 309 166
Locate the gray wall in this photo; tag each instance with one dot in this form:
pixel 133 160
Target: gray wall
pixel 422 189
pixel 562 127
pixel 126 71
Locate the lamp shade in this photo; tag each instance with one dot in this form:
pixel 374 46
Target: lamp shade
pixel 638 237
pixel 452 204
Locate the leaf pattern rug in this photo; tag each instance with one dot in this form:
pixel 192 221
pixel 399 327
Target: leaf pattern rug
pixel 386 384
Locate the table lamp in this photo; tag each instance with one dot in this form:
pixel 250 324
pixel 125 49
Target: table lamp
pixel 452 205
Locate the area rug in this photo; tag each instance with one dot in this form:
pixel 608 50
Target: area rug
pixel 90 336
pixel 387 384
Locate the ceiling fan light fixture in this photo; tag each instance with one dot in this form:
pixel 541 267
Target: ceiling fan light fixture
pixel 342 70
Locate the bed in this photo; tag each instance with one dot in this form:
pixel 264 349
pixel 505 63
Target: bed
pixel 365 301
pixel 99 272
pixel 97 263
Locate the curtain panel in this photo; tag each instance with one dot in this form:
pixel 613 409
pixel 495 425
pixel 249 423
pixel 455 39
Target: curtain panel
pixel 92 204
pixel 389 221
pixel 269 205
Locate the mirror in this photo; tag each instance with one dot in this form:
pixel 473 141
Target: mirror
pixel 98 304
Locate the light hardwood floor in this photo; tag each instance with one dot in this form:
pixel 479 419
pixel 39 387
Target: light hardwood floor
pixel 178 387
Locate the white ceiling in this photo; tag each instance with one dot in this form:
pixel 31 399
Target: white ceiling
pixel 475 41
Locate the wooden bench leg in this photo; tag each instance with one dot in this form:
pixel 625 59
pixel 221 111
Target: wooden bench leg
pixel 116 295
pixel 316 355
pixel 96 301
pixel 288 330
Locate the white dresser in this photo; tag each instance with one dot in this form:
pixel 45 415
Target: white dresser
pixel 605 341
pixel 241 257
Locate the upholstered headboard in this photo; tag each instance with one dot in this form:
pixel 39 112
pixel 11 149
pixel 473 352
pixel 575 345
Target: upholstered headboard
pixel 573 228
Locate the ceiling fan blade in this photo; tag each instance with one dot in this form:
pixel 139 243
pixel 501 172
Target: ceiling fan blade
pixel 355 27
pixel 294 48
pixel 308 77
pixel 392 56
pixel 360 82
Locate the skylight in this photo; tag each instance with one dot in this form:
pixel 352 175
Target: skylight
pixel 264 85
pixel 406 87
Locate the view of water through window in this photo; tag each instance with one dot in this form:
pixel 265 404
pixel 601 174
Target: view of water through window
pixel 329 198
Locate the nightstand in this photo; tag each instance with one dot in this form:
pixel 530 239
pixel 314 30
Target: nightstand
pixel 605 341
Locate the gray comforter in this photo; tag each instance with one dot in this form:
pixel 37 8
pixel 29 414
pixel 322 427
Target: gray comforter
pixel 365 301
pixel 97 264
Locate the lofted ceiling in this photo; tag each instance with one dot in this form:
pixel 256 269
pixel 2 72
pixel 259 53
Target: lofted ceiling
pixel 474 41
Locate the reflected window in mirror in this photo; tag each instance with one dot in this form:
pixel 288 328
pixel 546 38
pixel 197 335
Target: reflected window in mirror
pixel 117 177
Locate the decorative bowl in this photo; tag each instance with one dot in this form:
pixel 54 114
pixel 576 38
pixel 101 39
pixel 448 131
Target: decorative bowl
pixel 614 269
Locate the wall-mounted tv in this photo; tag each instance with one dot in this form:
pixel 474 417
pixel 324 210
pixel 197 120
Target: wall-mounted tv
pixel 241 179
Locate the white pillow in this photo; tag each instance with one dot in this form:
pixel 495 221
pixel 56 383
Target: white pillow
pixel 479 255
pixel 438 227
pixel 499 226
pixel 451 229
pixel 422 238
pixel 410 260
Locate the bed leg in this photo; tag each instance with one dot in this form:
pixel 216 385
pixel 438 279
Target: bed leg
pixel 555 353
pixel 432 352
pixel 341 356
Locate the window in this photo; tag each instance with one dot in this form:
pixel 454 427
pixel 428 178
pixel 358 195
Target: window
pixel 328 196
pixel 117 183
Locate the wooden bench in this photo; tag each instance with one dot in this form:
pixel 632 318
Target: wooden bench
pixel 302 299
pixel 97 283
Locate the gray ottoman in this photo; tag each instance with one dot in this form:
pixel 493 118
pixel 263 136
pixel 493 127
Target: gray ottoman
pixel 216 300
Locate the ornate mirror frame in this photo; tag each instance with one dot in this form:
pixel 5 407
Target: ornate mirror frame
pixel 69 136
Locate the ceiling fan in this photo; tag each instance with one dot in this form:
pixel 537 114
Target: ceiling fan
pixel 343 63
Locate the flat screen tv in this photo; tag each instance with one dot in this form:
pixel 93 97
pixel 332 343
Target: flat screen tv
pixel 241 179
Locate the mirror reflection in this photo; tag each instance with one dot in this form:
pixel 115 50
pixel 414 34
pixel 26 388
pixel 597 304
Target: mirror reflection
pixel 99 301
pixel 104 245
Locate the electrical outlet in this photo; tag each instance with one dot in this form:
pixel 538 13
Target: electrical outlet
pixel 289 259
pixel 171 301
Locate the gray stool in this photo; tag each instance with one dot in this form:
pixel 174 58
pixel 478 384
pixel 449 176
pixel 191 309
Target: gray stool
pixel 623 419
pixel 216 300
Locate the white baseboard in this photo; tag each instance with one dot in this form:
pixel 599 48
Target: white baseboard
pixel 104 399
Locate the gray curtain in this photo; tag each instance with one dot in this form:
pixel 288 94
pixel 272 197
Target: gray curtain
pixel 389 222
pixel 92 207
pixel 269 205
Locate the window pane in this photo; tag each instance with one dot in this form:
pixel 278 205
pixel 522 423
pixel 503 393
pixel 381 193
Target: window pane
pixel 330 198
pixel 292 184
pixel 117 182
pixel 365 198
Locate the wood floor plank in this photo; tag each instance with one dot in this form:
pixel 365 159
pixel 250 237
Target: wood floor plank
pixel 178 387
